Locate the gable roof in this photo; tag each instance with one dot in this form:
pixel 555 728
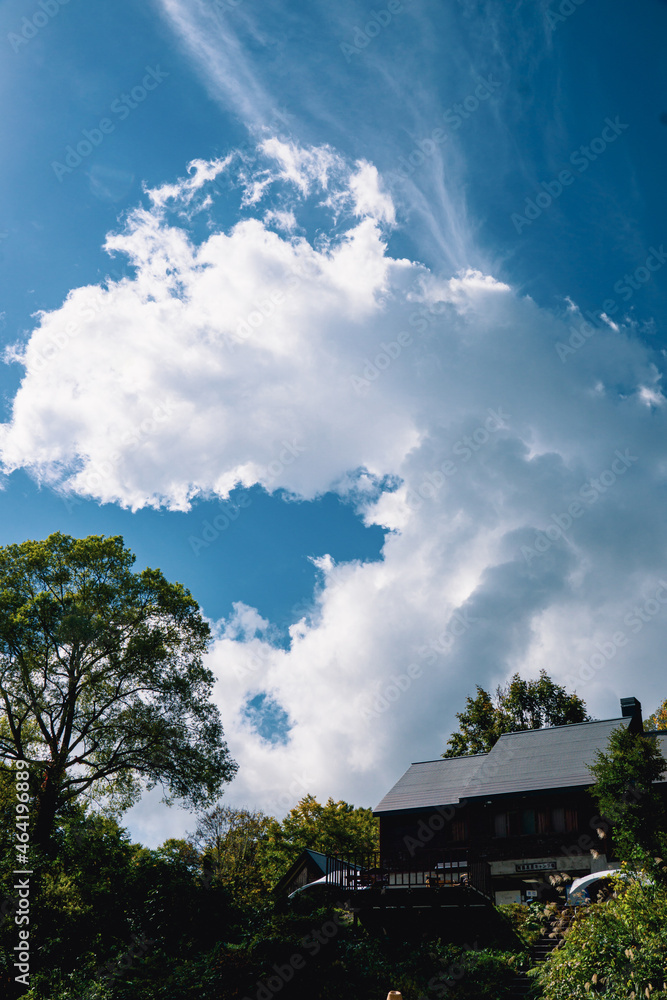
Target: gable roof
pixel 311 859
pixel 531 760
pixel 539 759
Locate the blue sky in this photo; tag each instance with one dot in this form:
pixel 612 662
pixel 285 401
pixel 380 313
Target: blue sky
pixel 333 312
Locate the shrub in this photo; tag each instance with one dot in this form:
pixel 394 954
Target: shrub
pixel 614 949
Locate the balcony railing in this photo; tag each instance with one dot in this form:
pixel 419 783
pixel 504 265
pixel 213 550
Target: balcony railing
pixel 427 869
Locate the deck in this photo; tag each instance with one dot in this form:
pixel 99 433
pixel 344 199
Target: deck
pixel 432 878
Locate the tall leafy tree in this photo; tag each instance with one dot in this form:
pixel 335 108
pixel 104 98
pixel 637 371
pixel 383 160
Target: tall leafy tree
pixel 227 840
pixel 332 828
pixel 520 705
pixel 625 776
pixel 102 681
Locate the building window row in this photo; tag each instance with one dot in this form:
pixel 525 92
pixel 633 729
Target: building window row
pixel 523 822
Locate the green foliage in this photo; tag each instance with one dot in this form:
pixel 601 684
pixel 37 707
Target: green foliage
pixel 616 949
pixel 333 828
pixel 105 911
pixel 116 921
pixel 658 720
pixel 487 975
pixel 76 909
pixel 228 840
pixel 520 705
pixel 102 680
pixel 528 920
pixel 626 796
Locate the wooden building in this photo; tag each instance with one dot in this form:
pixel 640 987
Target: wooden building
pixel 523 810
pixel 461 833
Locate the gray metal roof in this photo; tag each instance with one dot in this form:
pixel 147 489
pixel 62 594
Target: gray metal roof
pixel 526 761
pixel 431 783
pixel 543 758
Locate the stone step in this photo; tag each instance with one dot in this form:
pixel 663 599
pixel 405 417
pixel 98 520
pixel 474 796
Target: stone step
pixel 519 988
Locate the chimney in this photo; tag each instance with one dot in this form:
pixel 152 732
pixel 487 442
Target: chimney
pixel 631 709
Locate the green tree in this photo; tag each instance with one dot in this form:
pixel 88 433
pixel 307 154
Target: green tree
pixel 333 828
pixel 627 797
pixel 102 679
pixel 519 705
pixel 227 840
pixel 658 720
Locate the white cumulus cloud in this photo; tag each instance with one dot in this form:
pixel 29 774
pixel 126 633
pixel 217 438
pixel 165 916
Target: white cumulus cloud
pixel 526 515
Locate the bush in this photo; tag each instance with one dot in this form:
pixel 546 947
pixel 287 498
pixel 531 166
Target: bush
pixel 614 949
pixel 528 920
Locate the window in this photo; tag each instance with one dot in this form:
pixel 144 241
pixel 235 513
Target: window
pixel 459 829
pixel 528 821
pixel 571 819
pixel 515 823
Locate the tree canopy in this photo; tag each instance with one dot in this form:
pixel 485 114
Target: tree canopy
pixel 102 678
pixel 520 705
pixel 658 720
pixel 227 840
pixel 626 796
pixel 333 828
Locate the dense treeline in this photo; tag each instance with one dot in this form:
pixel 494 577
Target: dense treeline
pixel 196 919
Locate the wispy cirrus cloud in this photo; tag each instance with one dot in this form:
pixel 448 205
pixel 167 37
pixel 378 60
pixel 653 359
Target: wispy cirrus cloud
pixel 207 32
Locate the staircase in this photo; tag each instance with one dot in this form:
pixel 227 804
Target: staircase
pixel 548 941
